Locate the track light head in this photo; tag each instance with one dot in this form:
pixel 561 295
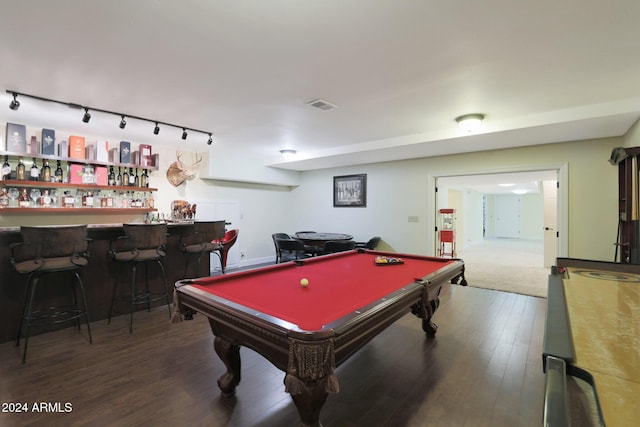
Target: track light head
pixel 210 141
pixel 123 123
pixel 184 133
pixel 156 130
pixel 15 104
pixel 86 116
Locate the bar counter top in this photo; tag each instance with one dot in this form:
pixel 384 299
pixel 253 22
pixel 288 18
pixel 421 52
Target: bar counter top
pixel 98 276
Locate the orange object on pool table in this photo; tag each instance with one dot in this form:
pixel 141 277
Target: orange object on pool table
pixel 308 331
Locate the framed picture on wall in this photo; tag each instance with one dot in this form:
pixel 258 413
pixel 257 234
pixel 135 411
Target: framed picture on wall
pixel 350 191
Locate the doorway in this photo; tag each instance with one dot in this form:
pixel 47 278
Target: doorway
pixel 506 206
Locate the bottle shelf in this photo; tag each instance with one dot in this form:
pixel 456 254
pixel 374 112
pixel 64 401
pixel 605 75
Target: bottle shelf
pixel 94 210
pixel 75 160
pixel 44 184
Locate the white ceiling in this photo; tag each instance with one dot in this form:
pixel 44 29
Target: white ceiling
pixel 529 182
pixel 400 72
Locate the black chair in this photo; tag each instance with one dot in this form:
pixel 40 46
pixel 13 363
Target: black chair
pixel 45 251
pixel 291 249
pixel 333 246
pixel 371 244
pixel 201 241
pixel 275 237
pixel 141 243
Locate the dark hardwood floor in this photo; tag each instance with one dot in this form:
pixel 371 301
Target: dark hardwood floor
pixel 483 368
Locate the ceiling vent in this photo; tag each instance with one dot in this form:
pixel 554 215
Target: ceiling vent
pixel 321 104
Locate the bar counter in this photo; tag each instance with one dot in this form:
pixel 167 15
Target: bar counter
pixel 98 276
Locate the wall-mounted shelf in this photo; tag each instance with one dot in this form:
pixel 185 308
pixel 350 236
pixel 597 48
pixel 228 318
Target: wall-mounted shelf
pixel 74 160
pixel 43 184
pixel 94 211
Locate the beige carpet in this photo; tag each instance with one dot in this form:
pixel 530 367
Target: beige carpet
pixel 510 265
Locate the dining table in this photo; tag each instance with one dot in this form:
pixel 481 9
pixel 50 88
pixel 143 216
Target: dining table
pixel 319 239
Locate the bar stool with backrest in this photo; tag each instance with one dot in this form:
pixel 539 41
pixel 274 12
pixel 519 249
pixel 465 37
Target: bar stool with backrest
pixel 51 252
pixel 141 243
pixel 202 241
pixel 227 241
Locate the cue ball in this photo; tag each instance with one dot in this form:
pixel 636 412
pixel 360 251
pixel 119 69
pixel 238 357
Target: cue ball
pixel 304 283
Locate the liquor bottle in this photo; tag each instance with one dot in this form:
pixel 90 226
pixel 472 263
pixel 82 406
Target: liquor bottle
pixel 4 198
pixel 45 199
pixel 150 201
pixel 112 177
pixel 21 172
pixel 24 201
pixel 136 179
pixel 144 179
pixel 46 171
pixel 6 169
pixel 87 199
pixel 119 178
pixel 58 172
pixel 132 178
pixel 34 174
pixel 125 177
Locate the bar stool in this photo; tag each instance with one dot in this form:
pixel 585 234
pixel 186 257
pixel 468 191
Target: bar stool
pixel 201 241
pixel 228 240
pixel 45 252
pixel 141 243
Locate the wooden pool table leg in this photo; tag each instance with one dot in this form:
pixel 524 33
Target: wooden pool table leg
pixel 309 400
pixel 230 356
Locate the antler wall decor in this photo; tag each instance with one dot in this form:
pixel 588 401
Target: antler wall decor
pixel 178 172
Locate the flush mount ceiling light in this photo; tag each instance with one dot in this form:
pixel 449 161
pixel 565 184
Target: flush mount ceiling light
pixel 470 122
pixel 288 154
pixel 123 123
pixel 86 116
pixel 15 104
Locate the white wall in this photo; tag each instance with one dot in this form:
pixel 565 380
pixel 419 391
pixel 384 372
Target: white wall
pixel 396 191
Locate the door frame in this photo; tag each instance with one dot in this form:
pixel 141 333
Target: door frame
pixel 562 170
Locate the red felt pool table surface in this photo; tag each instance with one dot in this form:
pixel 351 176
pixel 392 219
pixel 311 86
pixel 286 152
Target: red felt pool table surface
pixel 338 285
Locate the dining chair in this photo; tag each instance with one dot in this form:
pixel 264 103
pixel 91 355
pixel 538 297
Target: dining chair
pixel 333 246
pixel 371 244
pixel 291 249
pixel 275 237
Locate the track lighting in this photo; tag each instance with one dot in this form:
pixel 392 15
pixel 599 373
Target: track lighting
pixel 15 104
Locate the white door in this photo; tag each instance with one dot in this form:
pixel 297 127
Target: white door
pixel 507 216
pixel 229 211
pixel 550 189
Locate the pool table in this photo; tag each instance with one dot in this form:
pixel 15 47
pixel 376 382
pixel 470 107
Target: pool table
pixel 307 331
